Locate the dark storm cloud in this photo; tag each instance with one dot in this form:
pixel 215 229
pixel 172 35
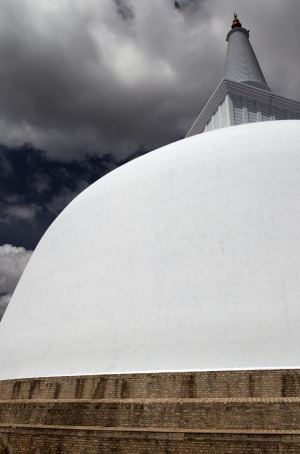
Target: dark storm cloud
pixel 34 189
pixel 124 9
pixel 191 5
pixel 87 77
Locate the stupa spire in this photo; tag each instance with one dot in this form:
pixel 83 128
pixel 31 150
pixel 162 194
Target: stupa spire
pixel 241 63
pixel 243 95
pixel 235 23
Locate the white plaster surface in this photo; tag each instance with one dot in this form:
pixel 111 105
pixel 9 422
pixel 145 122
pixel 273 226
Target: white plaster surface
pixel 185 259
pixel 241 64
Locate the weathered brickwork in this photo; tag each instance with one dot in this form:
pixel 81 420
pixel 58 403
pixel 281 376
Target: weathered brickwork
pixel 211 415
pixel 271 383
pixel 36 441
pixel 233 412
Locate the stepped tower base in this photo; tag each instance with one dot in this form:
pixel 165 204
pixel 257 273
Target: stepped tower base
pixel 228 412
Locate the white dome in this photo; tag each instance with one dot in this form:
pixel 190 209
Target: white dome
pixel 187 258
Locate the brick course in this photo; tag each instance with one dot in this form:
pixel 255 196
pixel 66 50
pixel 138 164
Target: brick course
pixel 257 383
pixel 69 442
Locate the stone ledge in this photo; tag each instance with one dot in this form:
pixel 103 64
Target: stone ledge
pixel 110 430
pixel 207 384
pixel 205 400
pixel 262 415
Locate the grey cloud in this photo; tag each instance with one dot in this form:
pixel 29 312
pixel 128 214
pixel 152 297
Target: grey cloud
pixel 188 5
pixel 5 166
pixel 92 77
pixel 20 212
pixel 12 264
pixel 80 79
pixel 124 8
pixel 4 300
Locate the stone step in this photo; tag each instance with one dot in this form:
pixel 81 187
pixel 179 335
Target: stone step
pixel 205 414
pixel 82 440
pixel 255 383
pixel 163 400
pixel 154 430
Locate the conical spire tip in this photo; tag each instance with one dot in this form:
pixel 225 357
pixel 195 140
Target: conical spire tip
pixel 235 23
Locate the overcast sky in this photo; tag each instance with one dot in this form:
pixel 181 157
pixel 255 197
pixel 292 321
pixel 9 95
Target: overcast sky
pixel 86 85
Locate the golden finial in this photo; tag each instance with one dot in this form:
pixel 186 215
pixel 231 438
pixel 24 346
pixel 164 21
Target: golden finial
pixel 236 23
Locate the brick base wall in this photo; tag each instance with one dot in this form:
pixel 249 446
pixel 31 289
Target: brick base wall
pixel 226 412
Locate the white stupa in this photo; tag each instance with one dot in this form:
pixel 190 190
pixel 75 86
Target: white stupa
pixel 185 259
